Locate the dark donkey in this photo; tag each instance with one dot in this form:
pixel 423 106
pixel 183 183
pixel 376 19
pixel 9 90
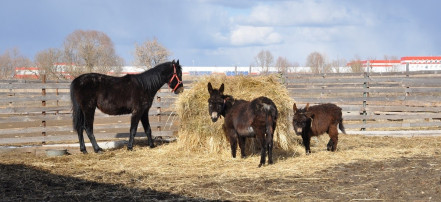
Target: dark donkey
pixel 316 120
pixel 244 119
pixel 120 95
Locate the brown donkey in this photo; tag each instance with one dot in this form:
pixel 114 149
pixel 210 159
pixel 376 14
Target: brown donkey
pixel 316 120
pixel 256 118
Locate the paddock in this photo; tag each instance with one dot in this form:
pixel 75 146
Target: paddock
pixel 392 150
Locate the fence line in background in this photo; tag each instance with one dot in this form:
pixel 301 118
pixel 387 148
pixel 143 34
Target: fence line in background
pixel 35 112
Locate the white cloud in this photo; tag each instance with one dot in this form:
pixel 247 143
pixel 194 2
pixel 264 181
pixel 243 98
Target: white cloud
pixel 248 35
pixel 291 13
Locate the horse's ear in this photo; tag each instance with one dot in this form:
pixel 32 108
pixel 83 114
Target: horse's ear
pixel 173 61
pixel 307 106
pixel 221 89
pixel 294 107
pixel 177 62
pixel 210 88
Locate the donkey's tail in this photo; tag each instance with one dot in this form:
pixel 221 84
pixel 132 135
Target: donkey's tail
pixel 271 118
pixel 340 125
pixel 77 113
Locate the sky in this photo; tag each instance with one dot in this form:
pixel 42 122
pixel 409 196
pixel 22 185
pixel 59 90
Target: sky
pixel 231 32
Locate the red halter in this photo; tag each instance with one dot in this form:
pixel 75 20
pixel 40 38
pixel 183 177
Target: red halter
pixel 173 77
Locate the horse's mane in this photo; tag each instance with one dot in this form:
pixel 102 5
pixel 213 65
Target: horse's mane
pixel 151 79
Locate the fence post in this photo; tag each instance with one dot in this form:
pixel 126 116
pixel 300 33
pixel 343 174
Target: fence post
pixel 365 94
pixel 43 104
pixel 407 76
pixel 158 111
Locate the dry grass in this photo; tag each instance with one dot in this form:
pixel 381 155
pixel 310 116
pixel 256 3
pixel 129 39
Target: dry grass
pixel 198 133
pixel 217 175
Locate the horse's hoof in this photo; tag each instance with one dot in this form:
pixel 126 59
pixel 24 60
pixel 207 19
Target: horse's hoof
pixel 152 146
pixel 130 148
pixel 260 165
pixel 99 151
pixel 84 151
pixel 270 162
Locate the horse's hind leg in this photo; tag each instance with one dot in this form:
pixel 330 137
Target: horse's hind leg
pixel 148 131
pixel 81 139
pixel 269 143
pixel 88 126
pixel 133 127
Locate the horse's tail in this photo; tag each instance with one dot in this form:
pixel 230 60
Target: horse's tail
pixel 77 113
pixel 340 125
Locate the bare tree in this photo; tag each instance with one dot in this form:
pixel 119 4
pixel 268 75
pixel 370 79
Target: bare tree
pixel 393 68
pixel 90 51
pixel 282 65
pixel 356 65
pixel 337 64
pixel 264 59
pixel 48 61
pixel 150 53
pixel 11 59
pixel 316 61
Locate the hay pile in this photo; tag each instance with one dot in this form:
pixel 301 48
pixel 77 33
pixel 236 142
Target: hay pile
pixel 198 133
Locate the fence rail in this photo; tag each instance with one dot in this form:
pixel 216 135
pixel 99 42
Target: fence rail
pixel 35 112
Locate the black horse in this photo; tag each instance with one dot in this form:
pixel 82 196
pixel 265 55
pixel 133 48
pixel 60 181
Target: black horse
pixel 120 95
pixel 255 118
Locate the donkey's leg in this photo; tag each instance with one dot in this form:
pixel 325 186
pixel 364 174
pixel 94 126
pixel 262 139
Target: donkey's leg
pixel 261 137
pixel 148 131
pixel 232 137
pixel 269 142
pixel 89 115
pixel 133 127
pixel 306 141
pixel 242 146
pixel 333 134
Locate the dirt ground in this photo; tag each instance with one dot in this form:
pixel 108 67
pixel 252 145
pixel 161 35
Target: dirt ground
pixel 363 168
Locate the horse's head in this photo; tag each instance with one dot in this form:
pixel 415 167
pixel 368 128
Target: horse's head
pixel 301 118
pixel 175 82
pixel 216 102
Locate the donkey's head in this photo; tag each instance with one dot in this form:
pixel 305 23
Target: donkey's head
pixel 301 117
pixel 216 102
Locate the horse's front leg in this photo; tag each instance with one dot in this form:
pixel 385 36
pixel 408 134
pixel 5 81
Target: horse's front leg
pixel 148 131
pixel 133 127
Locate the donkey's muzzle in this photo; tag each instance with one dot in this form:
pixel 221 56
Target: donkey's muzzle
pixel 214 116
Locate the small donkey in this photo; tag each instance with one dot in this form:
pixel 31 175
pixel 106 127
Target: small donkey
pixel 316 120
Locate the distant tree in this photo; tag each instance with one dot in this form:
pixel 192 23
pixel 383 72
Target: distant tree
pixel 264 59
pixel 316 61
pixel 90 51
pixel 392 68
pixel 48 62
pixel 337 64
pixel 150 53
pixel 11 59
pixel 282 65
pixel 356 65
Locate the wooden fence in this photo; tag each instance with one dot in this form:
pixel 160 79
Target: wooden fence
pixel 34 112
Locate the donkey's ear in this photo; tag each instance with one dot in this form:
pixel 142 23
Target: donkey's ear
pixel 307 106
pixel 210 88
pixel 221 89
pixel 294 107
